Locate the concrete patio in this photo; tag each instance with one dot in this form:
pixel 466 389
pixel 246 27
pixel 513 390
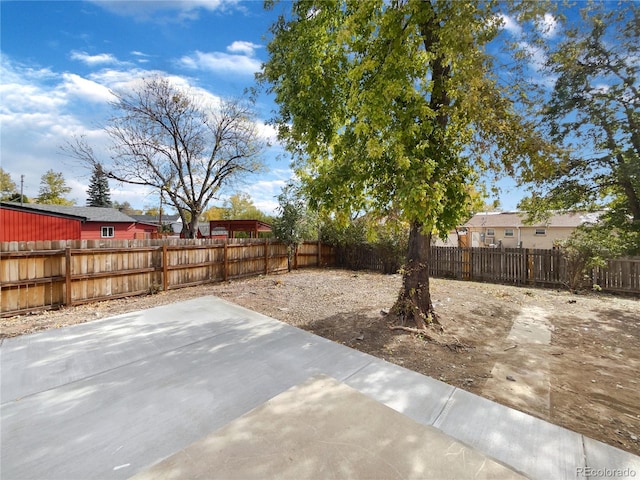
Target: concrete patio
pixel 207 389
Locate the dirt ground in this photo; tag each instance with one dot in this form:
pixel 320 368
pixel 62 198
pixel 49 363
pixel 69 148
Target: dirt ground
pixel 570 359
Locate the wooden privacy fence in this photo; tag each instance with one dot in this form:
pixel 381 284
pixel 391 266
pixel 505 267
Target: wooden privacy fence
pixel 525 266
pixel 511 266
pixel 45 275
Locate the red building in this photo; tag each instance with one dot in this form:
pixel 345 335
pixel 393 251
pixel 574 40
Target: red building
pixel 35 222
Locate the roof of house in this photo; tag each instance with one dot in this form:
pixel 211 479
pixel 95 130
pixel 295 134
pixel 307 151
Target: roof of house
pixel 241 225
pixel 517 219
pixel 88 214
pixel 155 219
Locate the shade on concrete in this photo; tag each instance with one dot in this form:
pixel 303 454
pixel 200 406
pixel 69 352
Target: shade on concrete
pixel 323 429
pixel 113 397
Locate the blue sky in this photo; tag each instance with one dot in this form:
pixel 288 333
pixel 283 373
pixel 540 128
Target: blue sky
pixel 61 59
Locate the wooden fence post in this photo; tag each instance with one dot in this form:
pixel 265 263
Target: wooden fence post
pixel 319 254
pixel 225 268
pixel 67 280
pixel 531 266
pixel 266 256
pixel 165 269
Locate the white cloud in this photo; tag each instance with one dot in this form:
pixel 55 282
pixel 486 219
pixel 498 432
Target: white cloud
pixel 221 62
pixel 267 132
pixel 93 60
pixel 547 25
pixel 89 90
pixel 163 10
pixel 239 46
pixel 537 57
pixel 511 25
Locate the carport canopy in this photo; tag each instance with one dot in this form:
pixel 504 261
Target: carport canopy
pixel 252 227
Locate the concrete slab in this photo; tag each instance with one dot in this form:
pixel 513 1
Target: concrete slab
pixel 528 444
pixel 603 461
pixel 56 357
pixel 324 429
pixel 110 398
pixel 113 420
pixel 417 396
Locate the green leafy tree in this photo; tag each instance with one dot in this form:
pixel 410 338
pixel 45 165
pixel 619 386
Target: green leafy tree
pixel 179 143
pixel 588 247
pixel 240 206
pixel 594 112
pixel 381 104
pixel 8 188
pixel 99 194
pixel 53 189
pixel 294 223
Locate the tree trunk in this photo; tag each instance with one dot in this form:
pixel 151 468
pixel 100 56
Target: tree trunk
pixel 414 305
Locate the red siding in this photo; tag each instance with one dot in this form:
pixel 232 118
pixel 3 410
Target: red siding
pixel 122 231
pixel 18 226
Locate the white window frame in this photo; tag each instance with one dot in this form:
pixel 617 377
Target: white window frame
pixel 540 232
pixel 491 232
pixel 508 232
pixel 107 231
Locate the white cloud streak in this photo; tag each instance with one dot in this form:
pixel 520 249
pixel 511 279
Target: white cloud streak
pixel 221 62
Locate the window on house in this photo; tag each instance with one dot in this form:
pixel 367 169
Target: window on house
pixel 491 232
pixel 508 232
pixel 107 232
pixel 541 231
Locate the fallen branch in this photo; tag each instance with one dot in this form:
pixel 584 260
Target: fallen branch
pixel 510 348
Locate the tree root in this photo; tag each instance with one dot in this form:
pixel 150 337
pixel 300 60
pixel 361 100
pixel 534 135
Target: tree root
pixel 417 331
pixel 457 347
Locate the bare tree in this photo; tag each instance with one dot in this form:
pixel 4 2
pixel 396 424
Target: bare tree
pixel 181 144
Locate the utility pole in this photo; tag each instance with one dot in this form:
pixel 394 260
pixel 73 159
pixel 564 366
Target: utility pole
pixel 21 190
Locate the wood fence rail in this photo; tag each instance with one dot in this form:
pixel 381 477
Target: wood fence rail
pixel 47 275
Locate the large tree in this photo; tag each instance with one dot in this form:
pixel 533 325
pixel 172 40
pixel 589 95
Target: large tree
pixel 98 192
pixel 593 110
pixel 184 145
pixel 380 101
pixel 53 189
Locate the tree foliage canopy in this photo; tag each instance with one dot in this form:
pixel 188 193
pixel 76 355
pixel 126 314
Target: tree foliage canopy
pixel 53 189
pixel 8 188
pixel 380 103
pixel 594 112
pixel 240 206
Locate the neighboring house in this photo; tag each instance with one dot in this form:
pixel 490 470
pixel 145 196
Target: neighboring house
pixel 509 230
pixel 35 222
pixel 166 224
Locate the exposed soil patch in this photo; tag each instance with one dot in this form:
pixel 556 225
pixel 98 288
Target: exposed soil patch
pixel 570 359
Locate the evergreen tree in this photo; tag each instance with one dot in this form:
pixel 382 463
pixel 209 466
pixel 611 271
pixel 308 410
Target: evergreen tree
pixel 99 194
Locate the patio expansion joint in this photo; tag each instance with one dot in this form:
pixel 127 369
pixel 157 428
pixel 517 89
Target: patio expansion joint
pixel 445 407
pixel 356 371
